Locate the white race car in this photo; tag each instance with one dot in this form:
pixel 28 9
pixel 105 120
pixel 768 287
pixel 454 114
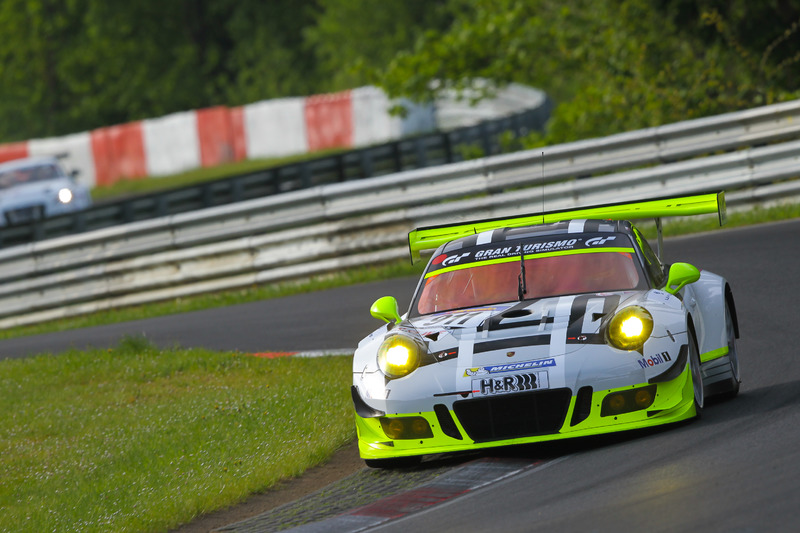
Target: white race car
pixel 543 327
pixel 37 187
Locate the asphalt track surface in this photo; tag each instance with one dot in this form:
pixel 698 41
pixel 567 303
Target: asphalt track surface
pixel 737 469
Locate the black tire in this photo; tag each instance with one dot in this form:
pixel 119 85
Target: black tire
pixel 733 357
pixel 394 462
pixel 697 375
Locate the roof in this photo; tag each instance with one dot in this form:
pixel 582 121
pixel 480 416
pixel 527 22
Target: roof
pixel 562 228
pixel 28 162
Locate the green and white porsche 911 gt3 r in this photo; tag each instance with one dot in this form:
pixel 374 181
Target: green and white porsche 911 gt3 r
pixel 543 327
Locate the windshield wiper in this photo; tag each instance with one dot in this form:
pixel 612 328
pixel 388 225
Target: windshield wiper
pixel 522 287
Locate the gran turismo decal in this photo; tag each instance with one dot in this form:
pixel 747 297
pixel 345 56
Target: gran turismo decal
pixel 657 359
pixel 599 241
pixel 513 383
pixel 496 251
pixel 495 369
pixel 530 248
pixel 447 260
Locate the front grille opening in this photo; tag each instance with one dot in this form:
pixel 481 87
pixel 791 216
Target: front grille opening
pixel 446 422
pixel 583 406
pixel 513 416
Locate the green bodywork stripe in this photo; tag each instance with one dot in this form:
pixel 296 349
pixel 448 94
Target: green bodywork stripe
pixel 528 256
pixel 430 238
pixel 713 354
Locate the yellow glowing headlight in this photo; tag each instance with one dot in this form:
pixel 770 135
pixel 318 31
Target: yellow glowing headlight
pixel 630 328
pixel 398 356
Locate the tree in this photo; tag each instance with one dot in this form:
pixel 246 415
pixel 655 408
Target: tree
pixel 613 65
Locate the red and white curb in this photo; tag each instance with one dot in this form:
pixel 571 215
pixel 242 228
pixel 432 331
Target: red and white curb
pixel 469 478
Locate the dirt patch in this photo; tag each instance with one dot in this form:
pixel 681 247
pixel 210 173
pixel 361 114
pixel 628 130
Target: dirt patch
pixel 343 463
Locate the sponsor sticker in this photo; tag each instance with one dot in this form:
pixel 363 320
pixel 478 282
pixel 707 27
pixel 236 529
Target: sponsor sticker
pixel 514 383
pixel 657 359
pixel 513 367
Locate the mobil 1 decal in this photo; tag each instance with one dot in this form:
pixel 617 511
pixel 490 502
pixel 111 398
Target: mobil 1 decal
pixel 506 249
pixel 587 313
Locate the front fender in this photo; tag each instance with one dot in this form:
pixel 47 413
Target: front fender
pixel 705 300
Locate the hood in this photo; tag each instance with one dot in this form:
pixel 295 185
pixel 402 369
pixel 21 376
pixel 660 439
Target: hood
pixel 526 330
pixel 35 191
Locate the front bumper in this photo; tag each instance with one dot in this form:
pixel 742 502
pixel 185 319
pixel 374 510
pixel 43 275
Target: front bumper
pixel 522 418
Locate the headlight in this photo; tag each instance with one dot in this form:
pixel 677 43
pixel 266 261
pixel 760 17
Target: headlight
pixel 65 196
pixel 398 356
pixel 630 328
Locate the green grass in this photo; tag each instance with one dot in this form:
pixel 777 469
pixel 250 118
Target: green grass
pixel 129 187
pixel 142 439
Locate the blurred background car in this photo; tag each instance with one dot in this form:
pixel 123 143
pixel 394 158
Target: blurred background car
pixel 38 187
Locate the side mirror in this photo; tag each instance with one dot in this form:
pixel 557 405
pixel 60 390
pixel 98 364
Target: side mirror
pixel 385 309
pixel 680 275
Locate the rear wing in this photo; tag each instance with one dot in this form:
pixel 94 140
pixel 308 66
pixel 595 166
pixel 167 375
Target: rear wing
pixel 431 237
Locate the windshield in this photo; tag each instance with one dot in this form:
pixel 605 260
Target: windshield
pixel 10 178
pixel 500 280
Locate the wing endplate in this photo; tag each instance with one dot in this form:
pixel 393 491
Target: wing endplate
pixel 431 237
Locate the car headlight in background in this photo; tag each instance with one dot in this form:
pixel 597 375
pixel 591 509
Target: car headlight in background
pixel 65 195
pixel 630 328
pixel 399 356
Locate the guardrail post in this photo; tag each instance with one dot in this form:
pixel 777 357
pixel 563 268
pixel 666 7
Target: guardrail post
pixel 79 222
pixel 485 138
pixel 305 175
pixel 397 156
pixel 419 151
pixel 341 168
pixel 447 146
pixel 37 230
pixel 207 197
pixel 161 206
pixel 237 189
pixel 367 169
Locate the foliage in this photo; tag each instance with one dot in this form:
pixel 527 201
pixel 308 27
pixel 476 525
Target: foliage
pixel 75 65
pixel 613 65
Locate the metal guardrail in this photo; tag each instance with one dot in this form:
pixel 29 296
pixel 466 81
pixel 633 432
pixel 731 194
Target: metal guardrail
pixel 409 153
pixel 329 227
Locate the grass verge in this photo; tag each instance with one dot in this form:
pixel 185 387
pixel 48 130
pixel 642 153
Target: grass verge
pixel 142 439
pixel 144 185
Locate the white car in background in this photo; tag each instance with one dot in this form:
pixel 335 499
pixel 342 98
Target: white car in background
pixel 35 188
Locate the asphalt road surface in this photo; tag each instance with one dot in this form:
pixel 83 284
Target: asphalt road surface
pixel 335 319
pixel 737 469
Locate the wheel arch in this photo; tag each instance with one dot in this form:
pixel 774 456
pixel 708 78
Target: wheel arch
pixel 732 306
